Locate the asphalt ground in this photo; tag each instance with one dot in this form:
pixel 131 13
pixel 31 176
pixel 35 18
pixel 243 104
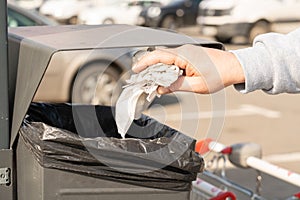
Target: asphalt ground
pixel 230 117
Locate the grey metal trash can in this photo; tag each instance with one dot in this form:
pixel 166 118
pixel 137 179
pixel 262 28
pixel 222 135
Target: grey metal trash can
pixel 31 51
pixel 49 152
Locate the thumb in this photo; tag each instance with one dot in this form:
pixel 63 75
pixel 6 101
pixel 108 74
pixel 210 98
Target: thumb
pixel 176 86
pixel 163 90
pixel 188 84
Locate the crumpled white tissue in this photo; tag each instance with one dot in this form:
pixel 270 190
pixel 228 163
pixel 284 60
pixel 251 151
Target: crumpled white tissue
pixel 140 91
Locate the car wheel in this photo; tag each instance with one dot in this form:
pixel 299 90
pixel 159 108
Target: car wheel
pixel 258 28
pixel 169 22
pixel 108 21
pixel 73 20
pixel 97 84
pixel 225 40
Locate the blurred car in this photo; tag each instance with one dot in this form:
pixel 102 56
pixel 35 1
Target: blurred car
pixel 77 78
pixel 93 76
pixel 228 19
pixel 65 11
pixel 17 16
pixel 170 14
pixel 28 4
pixel 118 12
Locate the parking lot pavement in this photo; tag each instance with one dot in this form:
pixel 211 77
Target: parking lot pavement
pixel 269 120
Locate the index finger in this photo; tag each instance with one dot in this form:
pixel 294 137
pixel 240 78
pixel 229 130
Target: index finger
pixel 154 57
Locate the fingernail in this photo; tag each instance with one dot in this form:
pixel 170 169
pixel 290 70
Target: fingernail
pixel 134 67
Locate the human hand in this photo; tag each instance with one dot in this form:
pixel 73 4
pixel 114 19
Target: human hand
pixel 205 70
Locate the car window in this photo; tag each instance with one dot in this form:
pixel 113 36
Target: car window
pixel 149 3
pixel 142 3
pixel 15 19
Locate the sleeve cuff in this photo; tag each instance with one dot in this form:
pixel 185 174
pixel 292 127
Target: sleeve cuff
pixel 256 64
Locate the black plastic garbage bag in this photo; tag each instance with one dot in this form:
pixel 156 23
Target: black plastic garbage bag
pixel 84 139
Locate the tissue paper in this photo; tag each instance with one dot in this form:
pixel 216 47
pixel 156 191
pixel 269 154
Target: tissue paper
pixel 140 91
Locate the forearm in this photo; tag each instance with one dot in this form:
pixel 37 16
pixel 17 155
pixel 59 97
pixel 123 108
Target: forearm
pixel 272 64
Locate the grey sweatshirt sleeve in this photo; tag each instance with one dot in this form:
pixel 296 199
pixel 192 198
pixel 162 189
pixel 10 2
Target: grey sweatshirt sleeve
pixel 272 64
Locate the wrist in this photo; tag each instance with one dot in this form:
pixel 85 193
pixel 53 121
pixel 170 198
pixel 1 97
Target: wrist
pixel 230 69
pixel 236 72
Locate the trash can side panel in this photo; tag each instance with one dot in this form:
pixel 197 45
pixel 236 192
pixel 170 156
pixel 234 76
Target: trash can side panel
pixel 71 186
pixel 38 183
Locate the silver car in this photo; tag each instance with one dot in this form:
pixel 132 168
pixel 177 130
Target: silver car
pixel 91 77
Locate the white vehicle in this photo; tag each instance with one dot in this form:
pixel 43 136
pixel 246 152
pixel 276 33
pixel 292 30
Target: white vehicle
pixel 28 4
pixel 65 11
pixel 119 12
pixel 226 19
